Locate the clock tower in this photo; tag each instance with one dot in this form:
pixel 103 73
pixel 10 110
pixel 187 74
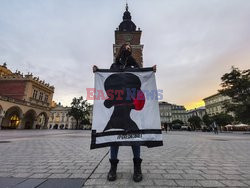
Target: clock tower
pixel 128 33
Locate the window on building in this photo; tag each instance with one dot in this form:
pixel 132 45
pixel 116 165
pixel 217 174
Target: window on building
pixel 34 94
pixel 214 109
pixel 46 98
pixel 41 96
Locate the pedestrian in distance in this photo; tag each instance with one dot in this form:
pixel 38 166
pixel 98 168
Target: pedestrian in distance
pixel 215 127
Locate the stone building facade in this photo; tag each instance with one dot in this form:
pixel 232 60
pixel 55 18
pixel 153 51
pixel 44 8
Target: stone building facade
pixel 25 101
pixel 90 114
pixel 179 112
pixel 170 112
pixel 165 112
pixel 59 119
pixel 215 104
pixel 200 112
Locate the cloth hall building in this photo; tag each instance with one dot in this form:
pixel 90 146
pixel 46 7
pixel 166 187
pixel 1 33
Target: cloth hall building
pixel 25 100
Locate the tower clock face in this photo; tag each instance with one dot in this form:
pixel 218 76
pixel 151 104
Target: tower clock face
pixel 128 37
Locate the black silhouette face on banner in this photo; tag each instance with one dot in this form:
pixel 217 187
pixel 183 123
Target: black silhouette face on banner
pixel 124 92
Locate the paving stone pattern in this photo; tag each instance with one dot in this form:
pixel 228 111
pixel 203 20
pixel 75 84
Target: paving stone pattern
pixel 62 158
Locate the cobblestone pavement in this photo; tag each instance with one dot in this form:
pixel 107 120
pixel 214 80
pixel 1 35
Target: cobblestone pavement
pixel 53 158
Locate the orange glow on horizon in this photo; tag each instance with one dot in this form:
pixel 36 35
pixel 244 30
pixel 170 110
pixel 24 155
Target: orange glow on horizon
pixel 195 104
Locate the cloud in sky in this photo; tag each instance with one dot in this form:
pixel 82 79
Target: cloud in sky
pixel 192 42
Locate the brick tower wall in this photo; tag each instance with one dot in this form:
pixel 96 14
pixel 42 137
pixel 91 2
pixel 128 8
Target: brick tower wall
pixel 134 38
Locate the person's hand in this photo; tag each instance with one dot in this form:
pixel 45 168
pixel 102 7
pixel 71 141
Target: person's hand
pixel 95 68
pixel 154 68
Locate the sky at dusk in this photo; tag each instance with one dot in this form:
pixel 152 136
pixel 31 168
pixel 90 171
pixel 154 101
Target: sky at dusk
pixel 193 43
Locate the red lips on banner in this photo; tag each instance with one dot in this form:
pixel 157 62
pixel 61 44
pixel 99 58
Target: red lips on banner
pixel 139 101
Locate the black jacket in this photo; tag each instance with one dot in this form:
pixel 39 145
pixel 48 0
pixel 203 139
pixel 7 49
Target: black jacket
pixel 124 63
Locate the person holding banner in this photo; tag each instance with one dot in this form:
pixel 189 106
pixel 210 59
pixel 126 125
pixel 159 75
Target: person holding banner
pixel 124 60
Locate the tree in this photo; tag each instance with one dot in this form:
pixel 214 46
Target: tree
pixel 195 122
pixel 236 85
pixel 222 119
pixel 177 121
pixel 79 110
pixel 207 120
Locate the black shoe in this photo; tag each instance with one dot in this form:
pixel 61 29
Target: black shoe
pixel 137 177
pixel 112 171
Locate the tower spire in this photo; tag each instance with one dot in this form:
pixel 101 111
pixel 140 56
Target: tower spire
pixel 127 24
pixel 127 32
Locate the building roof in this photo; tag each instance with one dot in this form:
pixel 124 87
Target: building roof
pixel 217 94
pixel 127 24
pixel 175 106
pixel 60 107
pixel 4 70
pixel 7 75
pixel 163 102
pixel 202 108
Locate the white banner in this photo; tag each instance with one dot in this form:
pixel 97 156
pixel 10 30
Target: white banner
pixel 126 110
